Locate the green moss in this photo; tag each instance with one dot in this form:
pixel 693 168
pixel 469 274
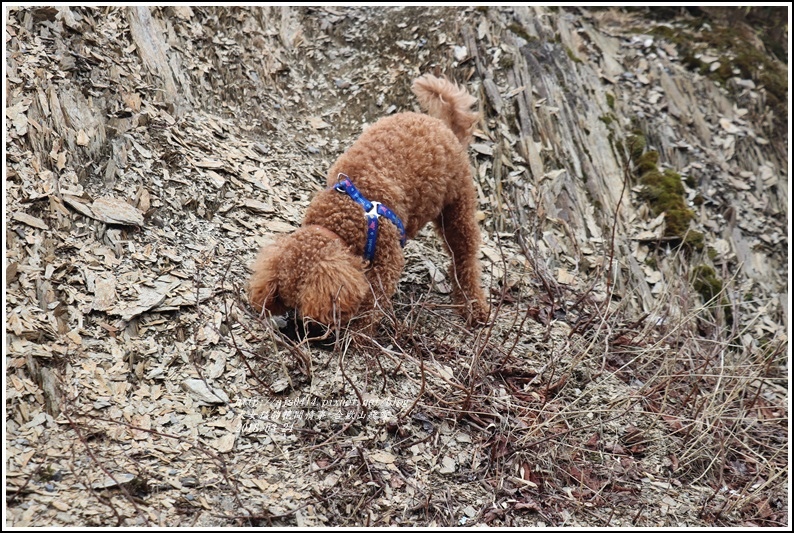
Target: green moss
pixel 606 119
pixel 736 53
pixel 698 200
pixel 46 474
pixel 646 162
pixel 139 486
pixel 665 32
pixel 693 63
pixel 664 192
pixel 776 83
pixel 674 178
pixel 521 32
pixel 721 37
pixel 722 73
pixel 611 101
pixel 690 182
pixel 712 253
pixel 506 61
pixel 694 240
pixel 572 56
pixel 736 49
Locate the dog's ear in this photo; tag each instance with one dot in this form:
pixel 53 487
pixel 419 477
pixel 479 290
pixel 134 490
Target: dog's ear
pixel 263 291
pixel 335 287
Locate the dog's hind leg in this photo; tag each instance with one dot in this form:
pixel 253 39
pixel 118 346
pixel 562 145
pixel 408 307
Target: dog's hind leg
pixel 459 231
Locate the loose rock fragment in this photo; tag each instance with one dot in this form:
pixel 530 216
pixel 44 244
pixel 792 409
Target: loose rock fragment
pixel 200 391
pixel 114 211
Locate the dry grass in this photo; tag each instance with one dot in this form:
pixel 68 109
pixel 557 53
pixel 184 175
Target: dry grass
pixel 588 419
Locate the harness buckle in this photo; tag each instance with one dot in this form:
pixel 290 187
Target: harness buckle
pixel 374 209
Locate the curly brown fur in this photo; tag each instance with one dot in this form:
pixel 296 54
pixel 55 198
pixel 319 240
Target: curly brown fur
pixel 416 165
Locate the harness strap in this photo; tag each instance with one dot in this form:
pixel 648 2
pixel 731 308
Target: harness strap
pixel 373 211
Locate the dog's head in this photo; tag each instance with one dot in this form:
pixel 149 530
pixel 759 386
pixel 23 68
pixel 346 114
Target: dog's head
pixel 312 272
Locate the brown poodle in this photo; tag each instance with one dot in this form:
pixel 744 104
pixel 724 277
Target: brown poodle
pixel 416 166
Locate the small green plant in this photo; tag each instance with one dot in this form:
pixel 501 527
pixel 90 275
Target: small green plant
pixel 636 143
pixel 46 474
pixel 606 119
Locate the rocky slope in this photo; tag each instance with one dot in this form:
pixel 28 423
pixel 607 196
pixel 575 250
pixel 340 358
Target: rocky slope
pixel 634 194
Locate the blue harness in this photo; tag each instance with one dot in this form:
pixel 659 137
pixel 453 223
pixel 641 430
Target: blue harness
pixel 373 211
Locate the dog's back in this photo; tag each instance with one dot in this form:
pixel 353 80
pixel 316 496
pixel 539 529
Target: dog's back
pixel 416 163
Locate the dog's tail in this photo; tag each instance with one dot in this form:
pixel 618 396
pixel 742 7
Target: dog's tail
pixel 444 100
